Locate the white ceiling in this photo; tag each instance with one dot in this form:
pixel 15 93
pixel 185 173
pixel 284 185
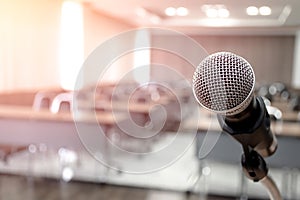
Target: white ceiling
pixel 285 17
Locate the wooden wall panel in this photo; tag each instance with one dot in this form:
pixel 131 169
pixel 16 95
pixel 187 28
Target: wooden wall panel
pixel 270 56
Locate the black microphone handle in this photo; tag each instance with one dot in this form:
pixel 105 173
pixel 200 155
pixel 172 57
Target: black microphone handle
pixel 251 127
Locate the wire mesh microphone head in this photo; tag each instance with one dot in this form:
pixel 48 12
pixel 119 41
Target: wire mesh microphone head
pixel 224 83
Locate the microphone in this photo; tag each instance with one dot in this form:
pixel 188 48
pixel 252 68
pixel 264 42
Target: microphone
pixel 224 83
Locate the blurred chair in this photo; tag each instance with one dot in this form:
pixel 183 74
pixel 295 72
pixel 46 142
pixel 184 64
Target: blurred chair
pixel 7 150
pixel 43 100
pixel 294 103
pixel 62 102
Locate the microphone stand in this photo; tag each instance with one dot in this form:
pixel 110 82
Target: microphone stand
pixel 255 120
pixel 256 169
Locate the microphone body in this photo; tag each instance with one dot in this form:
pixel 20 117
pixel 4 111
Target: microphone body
pixel 224 84
pixel 251 127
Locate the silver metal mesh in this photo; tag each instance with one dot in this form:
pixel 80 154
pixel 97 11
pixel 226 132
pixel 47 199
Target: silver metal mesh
pixel 224 83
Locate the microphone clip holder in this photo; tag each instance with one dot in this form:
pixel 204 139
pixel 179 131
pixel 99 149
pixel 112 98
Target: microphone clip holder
pixel 254 165
pixel 256 169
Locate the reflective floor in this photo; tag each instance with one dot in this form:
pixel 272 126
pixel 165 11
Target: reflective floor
pixel 38 173
pixel 28 188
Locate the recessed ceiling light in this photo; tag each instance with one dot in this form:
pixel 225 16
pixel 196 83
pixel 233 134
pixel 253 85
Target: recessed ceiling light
pixel 223 12
pixel 170 11
pixel 252 10
pixel 265 10
pixel 215 11
pixel 182 11
pixel 211 13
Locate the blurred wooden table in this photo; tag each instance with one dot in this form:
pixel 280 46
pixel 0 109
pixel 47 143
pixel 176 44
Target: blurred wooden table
pixel 206 122
pixel 21 125
pixel 27 113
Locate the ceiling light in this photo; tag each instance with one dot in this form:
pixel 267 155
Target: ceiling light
pixel 211 12
pixel 223 13
pixel 214 11
pixel 182 11
pixel 265 10
pixel 170 11
pixel 252 10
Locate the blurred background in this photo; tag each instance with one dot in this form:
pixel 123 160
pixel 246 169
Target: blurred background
pixel 51 65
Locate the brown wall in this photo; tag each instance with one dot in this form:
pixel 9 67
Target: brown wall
pixel 99 27
pixel 270 56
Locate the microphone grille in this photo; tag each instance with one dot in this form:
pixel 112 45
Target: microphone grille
pixel 224 83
